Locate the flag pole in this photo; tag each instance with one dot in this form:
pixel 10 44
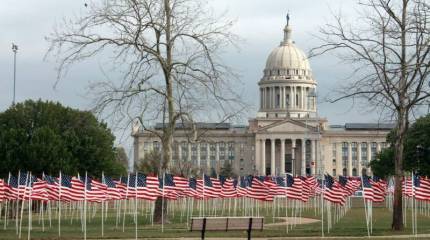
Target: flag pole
pixel 85 206
pixel 162 204
pixel 135 204
pixel 6 210
pixel 17 203
pixel 125 202
pixel 365 206
pixel 103 181
pixel 59 205
pixel 29 209
pixel 23 201
pixel 322 205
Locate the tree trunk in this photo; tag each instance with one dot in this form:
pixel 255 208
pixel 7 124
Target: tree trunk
pixel 402 126
pixel 170 126
pixel 157 210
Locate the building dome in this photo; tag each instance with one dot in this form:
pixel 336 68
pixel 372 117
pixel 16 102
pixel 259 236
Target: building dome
pixel 287 56
pixel 287 60
pixel 287 88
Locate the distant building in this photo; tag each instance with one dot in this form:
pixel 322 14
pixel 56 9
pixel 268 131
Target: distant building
pixel 287 135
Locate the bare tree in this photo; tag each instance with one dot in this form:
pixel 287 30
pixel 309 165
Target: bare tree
pixel 388 51
pixel 169 54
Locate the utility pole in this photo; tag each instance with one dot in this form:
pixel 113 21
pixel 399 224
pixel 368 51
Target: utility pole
pixel 15 50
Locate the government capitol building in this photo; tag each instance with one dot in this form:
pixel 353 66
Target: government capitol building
pixel 286 135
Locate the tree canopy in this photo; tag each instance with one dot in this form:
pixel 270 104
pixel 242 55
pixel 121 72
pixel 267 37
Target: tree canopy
pixel 46 137
pixel 414 159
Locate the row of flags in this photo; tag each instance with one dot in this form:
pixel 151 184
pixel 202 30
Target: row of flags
pixel 140 186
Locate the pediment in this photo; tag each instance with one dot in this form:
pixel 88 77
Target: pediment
pixel 287 126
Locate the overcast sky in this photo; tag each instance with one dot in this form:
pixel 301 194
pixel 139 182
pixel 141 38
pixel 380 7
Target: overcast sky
pixel 259 24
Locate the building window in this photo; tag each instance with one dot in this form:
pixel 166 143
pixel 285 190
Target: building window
pixel 156 146
pixel 334 172
pixel 297 99
pixel 373 150
pixel 231 151
pixel 363 153
pixel 345 154
pixel 354 154
pixel 333 152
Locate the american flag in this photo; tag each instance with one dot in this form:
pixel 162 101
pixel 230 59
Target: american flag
pixel 333 191
pixel 407 186
pixel 257 189
pixel 295 191
pixel 227 187
pixel 168 186
pixel 422 188
pixel 181 184
pixel 367 188
pixel 191 191
pixel 206 188
pixel 112 192
pixel 242 186
pixel 379 189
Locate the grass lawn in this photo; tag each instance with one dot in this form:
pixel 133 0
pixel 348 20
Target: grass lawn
pixel 352 224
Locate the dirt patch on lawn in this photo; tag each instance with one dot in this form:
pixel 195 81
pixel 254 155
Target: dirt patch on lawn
pixel 291 221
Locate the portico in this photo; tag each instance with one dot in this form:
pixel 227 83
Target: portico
pixel 279 155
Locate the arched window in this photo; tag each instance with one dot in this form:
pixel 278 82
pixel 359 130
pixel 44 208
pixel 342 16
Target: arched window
pixel 354 172
pixel 364 171
pixel 344 172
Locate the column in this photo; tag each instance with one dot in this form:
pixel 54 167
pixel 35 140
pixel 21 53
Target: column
pixel 272 157
pixel 217 155
pixel 189 152
pixel 313 160
pixel 208 157
pixel 293 97
pixel 319 157
pixel 274 97
pixel 339 167
pixel 198 155
pixel 257 158
pixel 282 157
pixel 369 155
pixel 349 159
pixel 359 158
pixel 180 151
pixel 263 157
pixel 302 92
pixel 303 171
pixel 293 156
pixel 378 147
pixel 264 98
pixel 281 97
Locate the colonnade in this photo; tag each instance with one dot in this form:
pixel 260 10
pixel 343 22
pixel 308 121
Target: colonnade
pixel 290 97
pixel 274 155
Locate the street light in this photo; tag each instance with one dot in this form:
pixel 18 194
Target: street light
pixel 15 50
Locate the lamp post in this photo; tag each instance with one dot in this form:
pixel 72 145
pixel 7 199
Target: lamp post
pixel 15 50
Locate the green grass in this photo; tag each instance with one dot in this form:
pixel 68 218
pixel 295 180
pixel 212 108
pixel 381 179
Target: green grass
pixel 352 224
